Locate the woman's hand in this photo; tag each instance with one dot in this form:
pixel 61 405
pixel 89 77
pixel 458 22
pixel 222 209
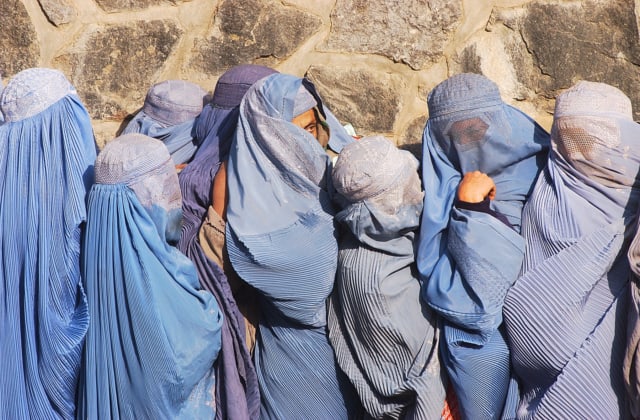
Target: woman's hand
pixel 475 187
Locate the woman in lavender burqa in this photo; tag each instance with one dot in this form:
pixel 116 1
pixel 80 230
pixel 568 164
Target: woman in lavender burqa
pixel 566 314
pixel 481 159
pixel 281 240
pixel 202 240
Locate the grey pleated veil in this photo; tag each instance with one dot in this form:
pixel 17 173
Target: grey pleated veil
pixel 566 313
pixel 384 335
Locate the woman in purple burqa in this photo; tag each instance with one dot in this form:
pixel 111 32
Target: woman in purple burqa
pixel 237 391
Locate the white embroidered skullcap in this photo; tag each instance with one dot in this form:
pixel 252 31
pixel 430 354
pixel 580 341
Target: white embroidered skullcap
pixel 370 167
pixel 32 91
pixel 143 164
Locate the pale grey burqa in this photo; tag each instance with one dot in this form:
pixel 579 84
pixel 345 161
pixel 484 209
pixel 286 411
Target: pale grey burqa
pixel 566 314
pixel 384 335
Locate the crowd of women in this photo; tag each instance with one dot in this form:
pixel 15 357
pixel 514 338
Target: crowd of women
pixel 240 255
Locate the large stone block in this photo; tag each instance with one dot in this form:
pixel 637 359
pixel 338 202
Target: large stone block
pixel 253 31
pixel 594 40
pixel 415 32
pixel 58 12
pixel 411 137
pixel 113 66
pixel 19 48
pixel 370 100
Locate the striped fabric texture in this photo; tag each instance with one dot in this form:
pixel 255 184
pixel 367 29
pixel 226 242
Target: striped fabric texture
pixel 47 151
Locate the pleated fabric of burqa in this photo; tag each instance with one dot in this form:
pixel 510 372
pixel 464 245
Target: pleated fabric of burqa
pixel 282 241
pixel 385 337
pixel 237 392
pixel 468 259
pixel 631 363
pixel 169 113
pixel 566 314
pixel 154 334
pixel 47 152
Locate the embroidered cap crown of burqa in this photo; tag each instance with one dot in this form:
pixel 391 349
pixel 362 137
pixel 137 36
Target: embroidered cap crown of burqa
pixel 47 152
pixel 170 111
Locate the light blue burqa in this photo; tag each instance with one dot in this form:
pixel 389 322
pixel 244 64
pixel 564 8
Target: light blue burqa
pixel 281 240
pixel 566 315
pixel 154 335
pixel 469 259
pixel 47 152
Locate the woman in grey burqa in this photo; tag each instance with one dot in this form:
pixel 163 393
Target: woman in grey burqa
pixel 565 316
pixel 384 335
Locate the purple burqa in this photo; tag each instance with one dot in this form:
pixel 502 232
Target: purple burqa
pixel 237 390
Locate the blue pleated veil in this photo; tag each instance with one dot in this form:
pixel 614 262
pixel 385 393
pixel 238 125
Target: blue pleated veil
pixel 281 240
pixel 154 335
pixel 469 259
pixel 47 152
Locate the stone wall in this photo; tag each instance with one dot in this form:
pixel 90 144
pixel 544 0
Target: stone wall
pixel 374 61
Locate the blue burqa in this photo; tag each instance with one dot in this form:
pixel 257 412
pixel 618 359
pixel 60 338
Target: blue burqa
pixel 468 259
pixel 282 241
pixel 566 315
pixel 47 152
pixel 154 335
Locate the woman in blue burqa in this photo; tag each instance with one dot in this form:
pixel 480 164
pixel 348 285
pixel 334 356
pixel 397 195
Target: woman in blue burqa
pixel 154 335
pixel 202 240
pixel 47 152
pixel 481 159
pixel 282 241
pixel 566 315
pixel 385 337
pixel 170 113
